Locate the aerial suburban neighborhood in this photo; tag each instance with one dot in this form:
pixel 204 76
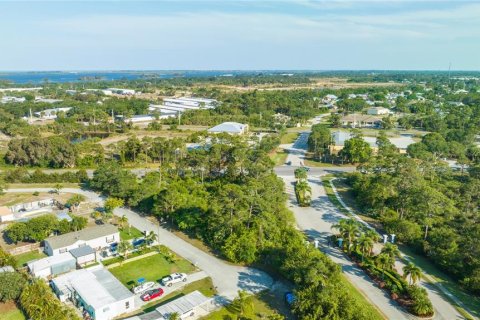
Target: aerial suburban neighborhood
pixel 239 160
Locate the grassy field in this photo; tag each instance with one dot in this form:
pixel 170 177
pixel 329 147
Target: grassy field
pixel 331 195
pixel 10 199
pixel 289 137
pixel 152 268
pixel 130 233
pixel 264 304
pixel 9 311
pixel 23 258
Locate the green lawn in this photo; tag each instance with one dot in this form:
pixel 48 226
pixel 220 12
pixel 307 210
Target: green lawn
pixel 152 268
pixel 279 157
pixel 264 304
pixel 130 233
pixel 331 194
pixel 9 311
pixel 289 137
pixel 369 308
pixel 23 258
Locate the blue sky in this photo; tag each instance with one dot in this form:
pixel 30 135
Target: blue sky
pixel 247 34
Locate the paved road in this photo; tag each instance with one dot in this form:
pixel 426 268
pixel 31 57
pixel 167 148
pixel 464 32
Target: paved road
pixel 227 278
pixel 316 221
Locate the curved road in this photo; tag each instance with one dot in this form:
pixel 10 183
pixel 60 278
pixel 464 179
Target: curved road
pixel 227 278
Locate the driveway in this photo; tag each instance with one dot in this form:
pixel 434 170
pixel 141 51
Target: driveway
pixel 227 278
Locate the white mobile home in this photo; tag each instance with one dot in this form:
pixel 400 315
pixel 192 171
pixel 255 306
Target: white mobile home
pixel 96 291
pixel 97 237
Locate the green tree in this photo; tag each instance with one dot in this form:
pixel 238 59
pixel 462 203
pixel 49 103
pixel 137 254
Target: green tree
pixel 412 271
pixel 124 248
pixel 111 203
pixel 11 285
pixel 303 192
pixel 365 244
pixel 349 230
pixel 243 304
pixel 356 150
pixel 391 250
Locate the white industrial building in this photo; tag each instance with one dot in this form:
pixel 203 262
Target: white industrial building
pixel 8 99
pixel 97 237
pixel 52 266
pixel 95 291
pixel 234 128
pixel 123 92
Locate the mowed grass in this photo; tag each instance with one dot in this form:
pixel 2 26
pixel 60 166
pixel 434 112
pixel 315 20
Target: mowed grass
pixel 130 233
pixel 279 156
pixel 9 311
pixel 289 137
pixel 263 306
pixel 152 268
pixel 23 258
pixel 370 309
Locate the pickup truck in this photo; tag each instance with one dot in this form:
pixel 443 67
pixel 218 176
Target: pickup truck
pixel 174 278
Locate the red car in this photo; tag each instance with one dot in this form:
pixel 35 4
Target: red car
pixel 151 294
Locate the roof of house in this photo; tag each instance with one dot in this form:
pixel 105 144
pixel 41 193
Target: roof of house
pixel 229 127
pixel 40 264
pixel 183 304
pixel 96 286
pixel 82 251
pixel 361 118
pixel 5 211
pixel 91 233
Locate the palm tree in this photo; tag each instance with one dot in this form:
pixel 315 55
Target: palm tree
pixel 413 271
pixel 174 316
pixel 300 174
pixel 348 229
pixel 124 247
pixel 243 304
pixel 391 250
pixel 384 262
pixel 422 307
pixel 123 221
pixel 151 237
pixel 304 192
pixel 365 244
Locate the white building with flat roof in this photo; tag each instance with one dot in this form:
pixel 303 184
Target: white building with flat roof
pixel 8 99
pixel 377 111
pixel 230 128
pixel 96 291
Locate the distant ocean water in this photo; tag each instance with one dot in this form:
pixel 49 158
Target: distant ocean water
pixel 65 76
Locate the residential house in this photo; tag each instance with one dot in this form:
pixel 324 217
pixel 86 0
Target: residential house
pixel 95 291
pixel 98 237
pixel 378 111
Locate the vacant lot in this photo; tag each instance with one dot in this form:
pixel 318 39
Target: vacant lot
pixel 152 268
pixel 10 199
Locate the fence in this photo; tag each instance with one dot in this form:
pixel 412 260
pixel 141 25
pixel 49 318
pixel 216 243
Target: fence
pixel 25 248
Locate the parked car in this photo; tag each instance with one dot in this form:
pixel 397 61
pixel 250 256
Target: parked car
pixel 290 298
pixel 152 294
pixel 174 278
pixel 143 287
pixel 289 163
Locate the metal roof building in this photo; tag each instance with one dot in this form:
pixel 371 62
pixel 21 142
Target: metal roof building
pixel 230 127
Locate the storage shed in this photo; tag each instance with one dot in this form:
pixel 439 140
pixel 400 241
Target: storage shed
pixel 52 266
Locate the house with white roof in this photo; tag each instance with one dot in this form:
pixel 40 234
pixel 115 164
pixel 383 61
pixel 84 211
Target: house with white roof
pixel 95 291
pixel 98 237
pixel 378 111
pixel 52 266
pixel 233 128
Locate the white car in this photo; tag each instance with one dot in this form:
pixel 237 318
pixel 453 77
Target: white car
pixel 143 287
pixel 174 278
